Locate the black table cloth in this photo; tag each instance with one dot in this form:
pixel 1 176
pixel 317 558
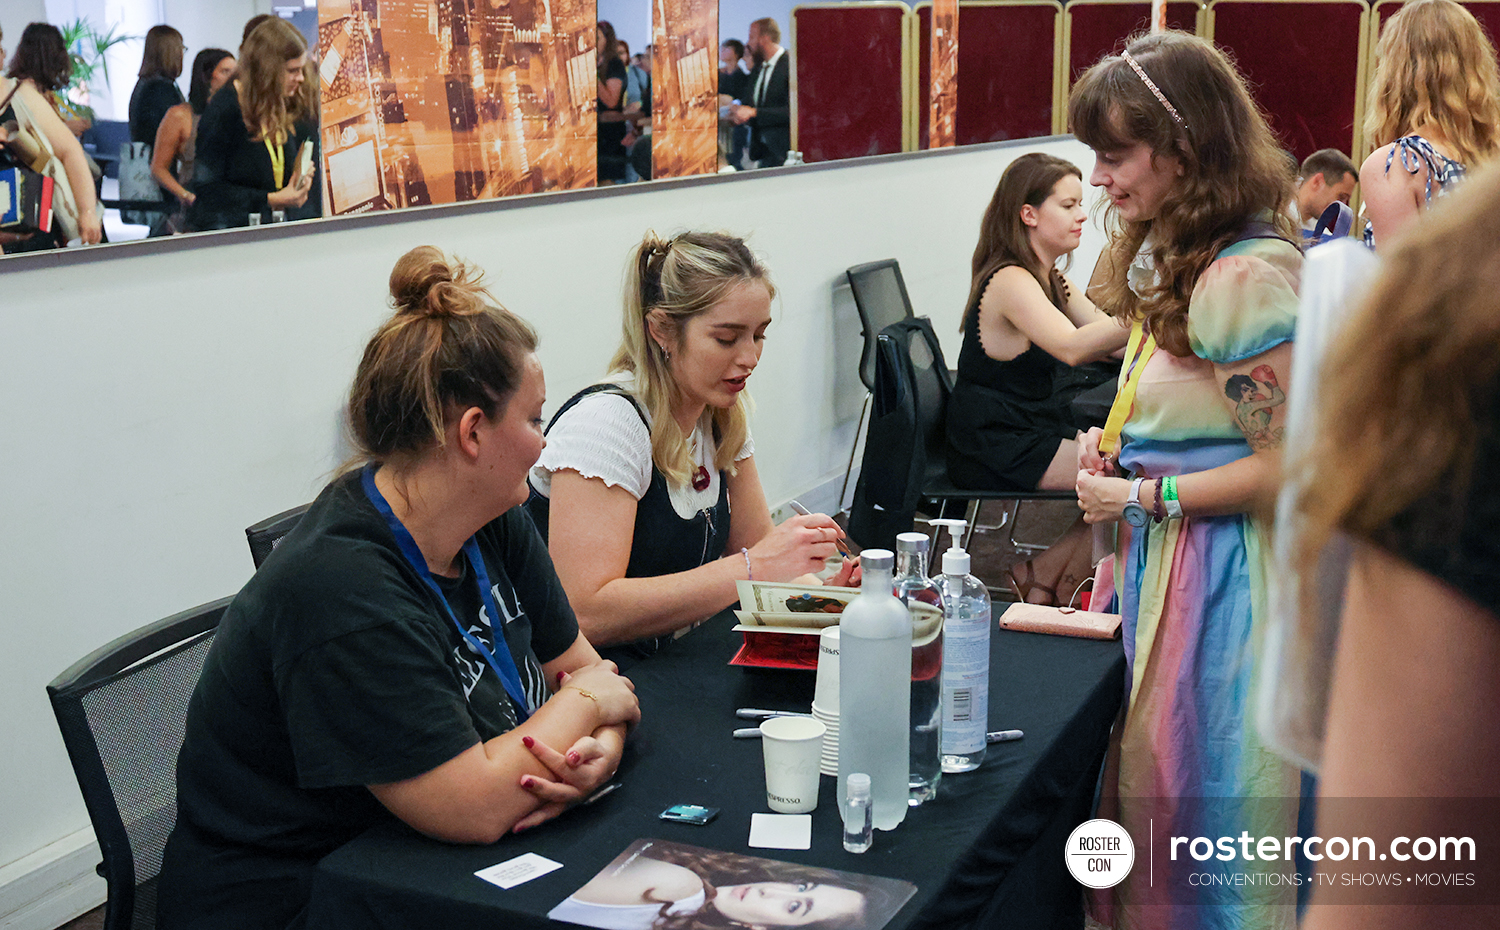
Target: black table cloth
pixel 987 852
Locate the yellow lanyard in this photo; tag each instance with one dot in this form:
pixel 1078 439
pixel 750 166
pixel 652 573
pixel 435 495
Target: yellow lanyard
pixel 1139 352
pixel 278 163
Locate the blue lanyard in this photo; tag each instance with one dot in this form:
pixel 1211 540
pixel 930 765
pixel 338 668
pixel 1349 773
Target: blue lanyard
pixel 503 664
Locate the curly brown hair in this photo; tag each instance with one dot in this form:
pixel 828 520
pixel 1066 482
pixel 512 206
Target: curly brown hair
pixel 1234 172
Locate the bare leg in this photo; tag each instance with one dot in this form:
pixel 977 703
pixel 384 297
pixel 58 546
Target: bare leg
pixel 1065 565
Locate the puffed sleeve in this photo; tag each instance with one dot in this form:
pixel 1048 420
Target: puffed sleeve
pixel 1245 302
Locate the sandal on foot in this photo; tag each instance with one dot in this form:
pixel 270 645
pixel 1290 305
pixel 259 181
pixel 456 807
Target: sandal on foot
pixel 1023 588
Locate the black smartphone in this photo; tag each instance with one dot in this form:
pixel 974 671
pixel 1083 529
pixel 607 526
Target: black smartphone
pixel 690 813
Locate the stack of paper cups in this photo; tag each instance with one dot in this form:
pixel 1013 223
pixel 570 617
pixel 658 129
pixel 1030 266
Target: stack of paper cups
pixel 825 706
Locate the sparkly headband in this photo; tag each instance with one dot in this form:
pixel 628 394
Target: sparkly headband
pixel 1151 86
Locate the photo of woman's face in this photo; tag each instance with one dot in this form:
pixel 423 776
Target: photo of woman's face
pixel 787 904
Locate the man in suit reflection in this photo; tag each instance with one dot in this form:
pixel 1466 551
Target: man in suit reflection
pixel 769 112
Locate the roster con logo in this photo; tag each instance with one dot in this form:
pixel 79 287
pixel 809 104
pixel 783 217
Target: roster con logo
pixel 1099 854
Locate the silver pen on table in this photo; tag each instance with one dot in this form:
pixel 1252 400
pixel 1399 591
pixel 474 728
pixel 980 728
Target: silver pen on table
pixel 747 733
pixel 1002 736
pixel 797 506
pixel 755 713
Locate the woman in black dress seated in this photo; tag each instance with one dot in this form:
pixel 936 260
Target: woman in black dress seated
pixel 407 651
pixel 1029 336
pixel 637 483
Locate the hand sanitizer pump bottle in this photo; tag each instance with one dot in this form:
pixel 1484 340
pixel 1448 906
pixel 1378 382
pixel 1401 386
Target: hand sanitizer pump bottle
pixel 966 657
pixel 875 691
pixel 913 588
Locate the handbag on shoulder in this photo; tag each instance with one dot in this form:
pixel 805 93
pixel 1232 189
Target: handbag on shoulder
pixel 29 149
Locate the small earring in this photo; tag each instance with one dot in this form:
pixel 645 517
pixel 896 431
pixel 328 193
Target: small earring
pixel 665 354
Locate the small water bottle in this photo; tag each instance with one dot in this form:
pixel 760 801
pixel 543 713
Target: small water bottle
pixel 253 219
pixel 278 216
pixel 859 818
pixel 924 600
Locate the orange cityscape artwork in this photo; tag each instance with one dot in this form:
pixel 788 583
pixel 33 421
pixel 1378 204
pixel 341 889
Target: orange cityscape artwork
pixel 684 100
pixel 943 118
pixel 444 101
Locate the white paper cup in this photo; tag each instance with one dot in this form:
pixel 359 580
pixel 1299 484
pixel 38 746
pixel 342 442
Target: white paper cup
pixel 826 693
pixel 793 748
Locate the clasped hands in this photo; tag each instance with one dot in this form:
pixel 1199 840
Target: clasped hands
pixel 1101 495
pixel 591 760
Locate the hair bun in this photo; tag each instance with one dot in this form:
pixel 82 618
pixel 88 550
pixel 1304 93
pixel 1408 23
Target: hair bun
pixel 425 282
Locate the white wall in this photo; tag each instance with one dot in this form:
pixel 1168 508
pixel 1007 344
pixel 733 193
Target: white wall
pixel 158 398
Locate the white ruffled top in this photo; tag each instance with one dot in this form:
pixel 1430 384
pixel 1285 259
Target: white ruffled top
pixel 603 437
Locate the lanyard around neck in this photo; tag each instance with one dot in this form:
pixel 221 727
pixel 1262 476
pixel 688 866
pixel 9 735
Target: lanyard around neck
pixel 500 659
pixel 278 162
pixel 1138 351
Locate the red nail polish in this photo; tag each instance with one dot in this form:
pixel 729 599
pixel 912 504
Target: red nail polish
pixel 528 742
pixel 527 782
pixel 519 829
pixel 573 758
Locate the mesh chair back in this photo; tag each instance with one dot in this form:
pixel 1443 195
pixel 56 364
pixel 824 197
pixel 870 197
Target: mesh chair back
pixel 880 296
pixel 266 535
pixel 121 711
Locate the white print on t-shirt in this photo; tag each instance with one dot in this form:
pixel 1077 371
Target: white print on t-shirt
pixel 472 667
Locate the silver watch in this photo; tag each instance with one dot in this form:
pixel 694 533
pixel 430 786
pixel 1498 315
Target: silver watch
pixel 1135 514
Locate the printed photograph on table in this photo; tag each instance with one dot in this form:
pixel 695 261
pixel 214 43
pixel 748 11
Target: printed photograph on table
pixel 455 100
pixel 656 885
pixel 684 102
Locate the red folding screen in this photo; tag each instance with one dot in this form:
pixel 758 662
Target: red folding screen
pixel 1098 29
pixel 847 84
pixel 1006 73
pixel 1302 61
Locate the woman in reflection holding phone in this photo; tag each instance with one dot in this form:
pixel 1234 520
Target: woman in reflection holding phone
pixel 635 487
pixel 251 137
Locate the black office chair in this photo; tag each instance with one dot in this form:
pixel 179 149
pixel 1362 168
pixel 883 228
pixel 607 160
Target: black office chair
pixel 266 535
pixel 880 298
pixel 905 468
pixel 122 710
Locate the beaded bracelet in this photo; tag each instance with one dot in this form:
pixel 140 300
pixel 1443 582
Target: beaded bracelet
pixel 749 571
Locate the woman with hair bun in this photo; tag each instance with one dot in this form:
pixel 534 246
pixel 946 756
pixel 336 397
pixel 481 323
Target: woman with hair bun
pixel 359 675
pixel 1434 111
pixel 647 492
pixel 1205 265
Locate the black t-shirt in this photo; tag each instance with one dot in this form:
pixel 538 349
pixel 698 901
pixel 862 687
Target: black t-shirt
pixel 1450 533
pixel 336 668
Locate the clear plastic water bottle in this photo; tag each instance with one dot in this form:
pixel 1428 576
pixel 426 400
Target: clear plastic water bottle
pixel 859 828
pixel 966 658
pixel 912 588
pixel 875 691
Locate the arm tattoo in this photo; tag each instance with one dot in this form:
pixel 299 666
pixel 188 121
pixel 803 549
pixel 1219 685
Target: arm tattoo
pixel 1254 396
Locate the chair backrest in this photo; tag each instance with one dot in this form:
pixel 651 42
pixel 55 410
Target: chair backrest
pixel 266 535
pixel 905 444
pixel 122 710
pixel 880 296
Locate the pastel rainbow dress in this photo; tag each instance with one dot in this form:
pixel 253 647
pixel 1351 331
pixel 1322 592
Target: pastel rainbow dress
pixel 1188 760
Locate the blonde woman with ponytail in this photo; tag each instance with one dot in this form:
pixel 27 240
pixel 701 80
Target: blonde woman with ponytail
pixel 635 489
pixel 252 133
pixel 359 675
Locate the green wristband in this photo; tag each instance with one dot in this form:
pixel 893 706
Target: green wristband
pixel 1169 488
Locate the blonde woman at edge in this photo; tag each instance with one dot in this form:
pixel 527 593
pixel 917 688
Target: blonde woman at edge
pixel 635 487
pixel 1434 112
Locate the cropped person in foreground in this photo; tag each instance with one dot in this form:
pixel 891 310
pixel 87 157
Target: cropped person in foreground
pixel 359 675
pixel 648 492
pixel 1402 463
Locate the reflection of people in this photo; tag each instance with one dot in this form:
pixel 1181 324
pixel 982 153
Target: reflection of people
pixel 42 59
pixel 667 888
pixel 769 110
pixel 65 145
pixel 1206 260
pixel 359 674
pixel 156 92
pixel 1419 640
pixel 177 139
pixel 1009 421
pixel 252 132
pixel 648 490
pixel 1434 111
pixel 611 105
